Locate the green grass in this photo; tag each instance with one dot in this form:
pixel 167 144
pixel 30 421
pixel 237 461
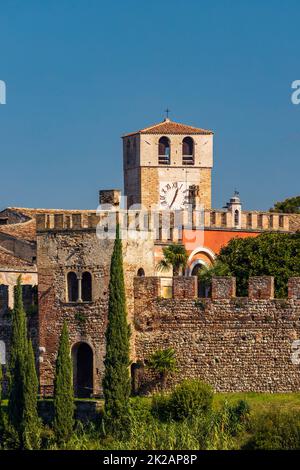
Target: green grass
pixel 261 402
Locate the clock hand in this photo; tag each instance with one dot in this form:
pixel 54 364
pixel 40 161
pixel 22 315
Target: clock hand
pixel 176 192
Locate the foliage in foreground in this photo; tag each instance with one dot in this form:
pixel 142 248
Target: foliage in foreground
pixel 116 381
pixel 31 425
pixel 63 390
pixel 211 430
pixel 22 427
pixel 17 366
pixel 226 426
pixel 275 430
pixel 163 363
pixel 190 398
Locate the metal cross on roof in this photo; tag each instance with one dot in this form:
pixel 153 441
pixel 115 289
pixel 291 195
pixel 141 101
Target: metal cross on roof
pixel 167 111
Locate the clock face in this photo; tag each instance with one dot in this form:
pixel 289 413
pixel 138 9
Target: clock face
pixel 174 195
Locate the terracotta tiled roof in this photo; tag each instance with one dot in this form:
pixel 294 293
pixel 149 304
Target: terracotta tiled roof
pixel 170 127
pixel 7 260
pixel 33 212
pixel 23 230
pixel 27 230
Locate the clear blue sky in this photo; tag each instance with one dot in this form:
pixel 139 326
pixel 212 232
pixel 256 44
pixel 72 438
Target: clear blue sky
pixel 80 73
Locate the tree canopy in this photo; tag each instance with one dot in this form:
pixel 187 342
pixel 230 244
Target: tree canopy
pixel 290 205
pixel 175 256
pixel 269 254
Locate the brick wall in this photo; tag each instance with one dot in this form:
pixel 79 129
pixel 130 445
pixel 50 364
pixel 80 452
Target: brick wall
pixel 236 344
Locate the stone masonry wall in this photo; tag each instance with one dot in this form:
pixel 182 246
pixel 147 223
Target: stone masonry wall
pixel 59 252
pixel 235 344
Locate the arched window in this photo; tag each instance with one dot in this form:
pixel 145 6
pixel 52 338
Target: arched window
pixel 141 272
pixel 86 284
pixel 188 151
pixel 236 217
pixel 164 151
pixel 72 287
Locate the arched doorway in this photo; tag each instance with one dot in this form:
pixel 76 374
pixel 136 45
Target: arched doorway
pixel 195 271
pixel 82 356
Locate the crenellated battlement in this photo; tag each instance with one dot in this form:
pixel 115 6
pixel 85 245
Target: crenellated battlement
pixel 167 225
pixel 186 287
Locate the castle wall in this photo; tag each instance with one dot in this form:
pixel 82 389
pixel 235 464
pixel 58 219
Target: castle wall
pixel 235 344
pixel 62 250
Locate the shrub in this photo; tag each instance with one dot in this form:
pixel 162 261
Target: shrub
pixel 238 416
pixel 160 407
pixel 275 430
pixel 190 398
pixel 140 409
pixel 163 362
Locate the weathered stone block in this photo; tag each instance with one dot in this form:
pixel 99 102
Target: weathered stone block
pixel 146 287
pixel 184 287
pixel 261 287
pixel 58 221
pixel 40 221
pixel 294 288
pixel 77 221
pixel 223 287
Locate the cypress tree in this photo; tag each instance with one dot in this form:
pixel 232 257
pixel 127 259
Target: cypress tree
pixel 31 423
pixel 116 381
pixel 1 412
pixel 0 386
pixel 17 365
pixel 63 390
pixel 2 416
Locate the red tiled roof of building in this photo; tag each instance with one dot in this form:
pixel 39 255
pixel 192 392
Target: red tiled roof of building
pixel 27 230
pixel 23 230
pixel 7 260
pixel 33 212
pixel 170 127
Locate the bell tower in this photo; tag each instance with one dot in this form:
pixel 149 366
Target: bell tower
pixel 169 165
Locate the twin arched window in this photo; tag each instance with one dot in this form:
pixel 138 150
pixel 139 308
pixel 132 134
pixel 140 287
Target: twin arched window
pixel 79 287
pixel 164 151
